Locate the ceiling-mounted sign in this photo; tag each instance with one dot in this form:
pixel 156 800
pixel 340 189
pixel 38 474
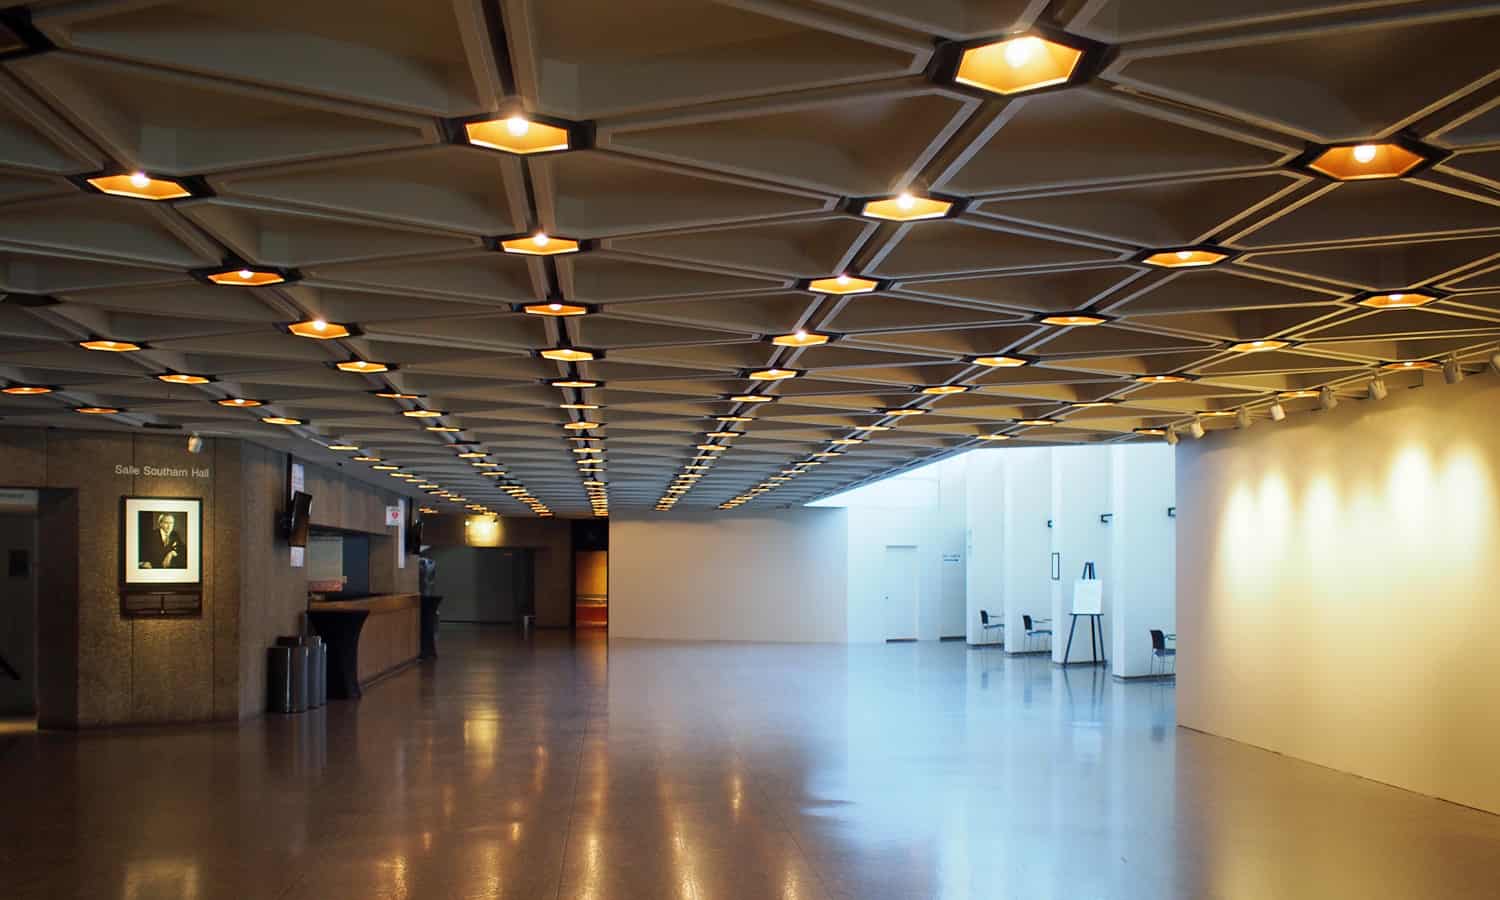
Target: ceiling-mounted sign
pixel 18 500
pixel 393 516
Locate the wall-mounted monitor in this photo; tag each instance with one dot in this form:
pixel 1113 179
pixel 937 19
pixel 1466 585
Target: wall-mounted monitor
pixel 414 536
pixel 298 518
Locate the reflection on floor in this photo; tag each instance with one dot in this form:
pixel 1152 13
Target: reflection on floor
pixel 555 769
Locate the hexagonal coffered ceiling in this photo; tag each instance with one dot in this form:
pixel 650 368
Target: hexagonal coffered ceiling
pixel 553 257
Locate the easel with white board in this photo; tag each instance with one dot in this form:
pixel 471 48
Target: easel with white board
pixel 1088 601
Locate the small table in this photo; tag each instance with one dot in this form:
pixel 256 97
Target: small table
pixel 1096 620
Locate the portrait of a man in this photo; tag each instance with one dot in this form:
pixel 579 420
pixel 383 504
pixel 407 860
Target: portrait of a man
pixel 162 545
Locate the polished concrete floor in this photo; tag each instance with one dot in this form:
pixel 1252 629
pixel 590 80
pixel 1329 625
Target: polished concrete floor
pixel 562 769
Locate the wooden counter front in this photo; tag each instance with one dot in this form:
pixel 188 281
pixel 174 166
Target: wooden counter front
pixel 367 638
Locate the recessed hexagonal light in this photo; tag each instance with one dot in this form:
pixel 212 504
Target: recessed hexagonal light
pixel 1257 346
pixel 423 413
pixel 398 395
pixel 1411 365
pixel 581 426
pixel 1216 413
pixel 1000 362
pixel 941 389
pixel 183 378
pixel 1162 379
pixel 997 436
pixel 539 244
pixel 240 402
pixel 828 453
pixel 904 412
pixel 139 186
pixel 98 410
pixel 575 383
pixel 842 284
pixel 1151 432
pixel 1036 423
pixel 282 420
pixel 1362 162
pixel 472 454
pixel 517 134
pixel 319 330
pixel 578 406
pixel 906 207
pixel 735 418
pixel 245 276
pixel 1401 300
pixel 847 441
pixel 1073 319
pixel 1184 258
pixel 342 447
pixel 872 428
pixel 366 458
pixel 107 346
pixel 752 398
pixel 443 429
pixel 362 366
pixel 1023 62
pixel 711 448
pixel 555 309
pixel 385 467
pixel 800 338
pixel 26 390
pixel 771 374
pixel 725 434
pixel 1094 404
pixel 567 354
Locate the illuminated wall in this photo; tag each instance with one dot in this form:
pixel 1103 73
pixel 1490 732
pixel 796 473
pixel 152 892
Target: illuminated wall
pixel 1337 588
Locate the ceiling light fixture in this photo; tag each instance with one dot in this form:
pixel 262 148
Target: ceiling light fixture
pixel 1184 258
pixel 1277 411
pixel 1162 379
pixel 996 436
pixel 517 134
pixel 26 390
pixel 139 186
pixel 842 284
pixel 1256 346
pixel 362 367
pixel 752 398
pixel 1073 319
pixel 107 346
pixel 1411 365
pixel 555 309
pixel 1328 399
pixel 904 412
pixel 397 395
pixel 539 244
pixel 943 389
pixel 1017 64
pixel 1363 162
pixel 98 410
pixel 1000 362
pixel 240 402
pixel 580 426
pixel 183 378
pixel 244 276
pixel 1377 389
pixel 282 420
pixel 319 329
pixel 1197 430
pixel 800 338
pixel 1397 300
pixel 1453 372
pixel 567 354
pixel 575 383
pixel 423 413
pixel 771 374
pixel 1036 423
pixel 906 207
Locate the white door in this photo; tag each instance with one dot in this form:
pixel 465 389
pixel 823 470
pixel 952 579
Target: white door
pixel 900 589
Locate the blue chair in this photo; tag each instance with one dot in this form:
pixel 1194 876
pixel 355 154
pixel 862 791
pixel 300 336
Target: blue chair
pixel 1160 651
pixel 1032 631
pixel 986 626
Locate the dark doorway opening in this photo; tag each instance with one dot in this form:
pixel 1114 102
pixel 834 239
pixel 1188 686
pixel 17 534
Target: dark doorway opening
pixel 18 604
pixel 485 585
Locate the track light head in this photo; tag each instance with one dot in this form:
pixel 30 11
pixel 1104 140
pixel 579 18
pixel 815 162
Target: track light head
pixel 1197 430
pixel 1378 390
pixel 194 443
pixel 1453 373
pixel 1242 418
pixel 1171 437
pixel 1278 412
pixel 1328 399
pixel 1495 363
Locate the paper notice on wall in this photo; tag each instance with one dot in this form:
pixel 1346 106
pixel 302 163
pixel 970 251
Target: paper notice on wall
pixel 400 534
pixel 298 481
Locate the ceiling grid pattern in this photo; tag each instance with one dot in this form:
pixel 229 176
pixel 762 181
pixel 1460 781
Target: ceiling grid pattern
pixel 790 245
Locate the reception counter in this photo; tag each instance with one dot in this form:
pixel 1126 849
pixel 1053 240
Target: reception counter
pixel 367 638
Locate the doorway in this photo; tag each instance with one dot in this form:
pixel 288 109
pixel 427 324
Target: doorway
pixel 899 588
pixel 484 585
pixel 18 590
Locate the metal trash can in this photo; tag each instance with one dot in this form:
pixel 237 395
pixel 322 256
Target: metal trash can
pixel 279 679
pixel 300 653
pixel 528 622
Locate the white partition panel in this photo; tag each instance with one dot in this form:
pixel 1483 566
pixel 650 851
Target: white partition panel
pixel 1027 542
pixel 1080 495
pixel 1143 489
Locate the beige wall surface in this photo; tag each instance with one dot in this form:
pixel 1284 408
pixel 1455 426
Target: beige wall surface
pixel 1337 588
pixel 780 575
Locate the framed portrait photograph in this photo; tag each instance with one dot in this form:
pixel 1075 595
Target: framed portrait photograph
pixel 162 542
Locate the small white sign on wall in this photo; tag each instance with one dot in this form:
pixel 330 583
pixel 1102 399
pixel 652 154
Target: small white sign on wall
pixel 952 557
pixel 20 500
pixel 298 481
pixel 393 516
